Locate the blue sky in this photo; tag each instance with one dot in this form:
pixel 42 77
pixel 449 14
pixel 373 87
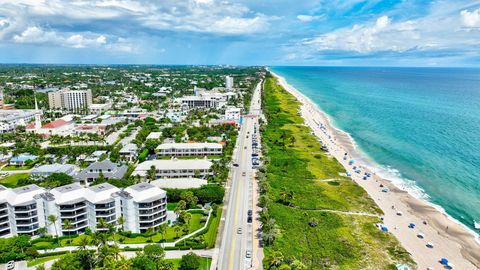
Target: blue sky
pixel 248 32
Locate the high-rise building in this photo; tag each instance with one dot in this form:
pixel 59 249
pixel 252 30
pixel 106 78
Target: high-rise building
pixel 228 82
pixel 71 100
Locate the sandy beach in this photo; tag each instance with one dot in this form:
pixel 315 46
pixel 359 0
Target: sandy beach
pixel 450 239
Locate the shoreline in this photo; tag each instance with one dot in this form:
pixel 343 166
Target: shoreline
pixel 451 239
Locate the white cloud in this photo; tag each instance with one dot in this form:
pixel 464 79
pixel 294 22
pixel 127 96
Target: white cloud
pixel 36 35
pixel 436 32
pixel 308 18
pixel 470 19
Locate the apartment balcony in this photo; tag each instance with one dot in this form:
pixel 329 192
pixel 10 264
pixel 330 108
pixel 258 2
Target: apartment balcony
pixel 4 231
pixel 106 206
pixel 146 225
pixel 153 217
pixel 74 213
pixel 27 208
pixel 152 204
pixel 70 207
pixel 76 220
pixel 25 215
pixel 27 229
pixel 4 226
pixel 3 212
pixel 151 211
pixel 26 221
pixel 76 227
pixel 3 219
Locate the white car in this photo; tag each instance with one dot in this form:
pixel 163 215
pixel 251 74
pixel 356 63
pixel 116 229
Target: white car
pixel 248 254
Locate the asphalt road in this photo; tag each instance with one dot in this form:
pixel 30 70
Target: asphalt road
pixel 238 235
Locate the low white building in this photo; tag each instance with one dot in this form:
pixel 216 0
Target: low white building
pixel 232 113
pixel 175 168
pixel 99 108
pixel 46 170
pixel 189 149
pixel 129 152
pixel 10 119
pixel 180 183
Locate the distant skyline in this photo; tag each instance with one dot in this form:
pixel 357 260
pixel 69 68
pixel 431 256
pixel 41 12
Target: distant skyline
pixel 248 32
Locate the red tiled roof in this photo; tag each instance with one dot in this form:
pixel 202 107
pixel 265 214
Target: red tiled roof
pixel 55 124
pixel 30 126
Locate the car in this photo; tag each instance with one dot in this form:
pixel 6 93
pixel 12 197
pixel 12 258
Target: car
pixel 249 219
pixel 250 212
pixel 244 173
pixel 248 254
pixel 247 136
pixel 245 147
pixel 235 164
pixel 239 231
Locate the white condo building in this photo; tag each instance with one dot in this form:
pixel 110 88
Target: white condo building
pixel 72 100
pixel 228 82
pixel 189 149
pixel 176 168
pixel 23 210
pixel 232 113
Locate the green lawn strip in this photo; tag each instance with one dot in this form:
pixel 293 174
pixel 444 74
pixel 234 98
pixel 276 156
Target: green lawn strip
pixel 43 260
pixel 211 234
pixel 295 162
pixel 12 180
pixel 171 206
pixel 195 223
pixel 16 168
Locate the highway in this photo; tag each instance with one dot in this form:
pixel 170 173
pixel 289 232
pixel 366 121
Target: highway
pixel 238 236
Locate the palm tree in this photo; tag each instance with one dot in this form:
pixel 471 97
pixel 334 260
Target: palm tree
pixel 275 258
pixel 52 220
pixel 161 229
pixel 102 224
pixel 151 173
pixel 187 217
pixel 67 225
pixel 150 232
pixel 42 231
pixel 177 229
pixel 120 222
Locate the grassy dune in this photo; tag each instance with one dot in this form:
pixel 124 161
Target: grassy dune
pixel 295 162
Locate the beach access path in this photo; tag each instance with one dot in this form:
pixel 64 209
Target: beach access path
pixel 450 239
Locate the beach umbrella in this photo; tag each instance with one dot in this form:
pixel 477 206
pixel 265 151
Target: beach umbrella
pixel 386 190
pixel 399 213
pixel 421 235
pixel 443 261
pixel 411 225
pixel 385 229
pixel 364 178
pixel 430 245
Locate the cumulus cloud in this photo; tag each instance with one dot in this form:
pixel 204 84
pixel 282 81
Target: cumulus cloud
pixel 434 33
pixel 308 18
pixel 37 35
pixel 470 19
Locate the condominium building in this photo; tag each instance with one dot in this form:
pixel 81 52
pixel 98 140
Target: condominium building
pixel 72 100
pixel 11 119
pixel 189 149
pixel 175 168
pixel 26 209
pixel 19 207
pixel 144 206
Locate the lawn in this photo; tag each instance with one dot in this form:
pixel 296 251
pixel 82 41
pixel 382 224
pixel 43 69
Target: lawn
pixel 296 163
pixel 43 260
pixel 211 234
pixel 12 180
pixel 203 263
pixel 16 168
pixel 195 224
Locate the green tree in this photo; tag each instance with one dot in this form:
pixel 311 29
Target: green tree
pixel 69 261
pixel 190 261
pixel 151 174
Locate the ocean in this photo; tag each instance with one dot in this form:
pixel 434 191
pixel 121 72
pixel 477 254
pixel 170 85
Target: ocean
pixel 419 126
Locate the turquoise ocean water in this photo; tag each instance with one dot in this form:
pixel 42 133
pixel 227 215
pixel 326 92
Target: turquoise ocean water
pixel 421 125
